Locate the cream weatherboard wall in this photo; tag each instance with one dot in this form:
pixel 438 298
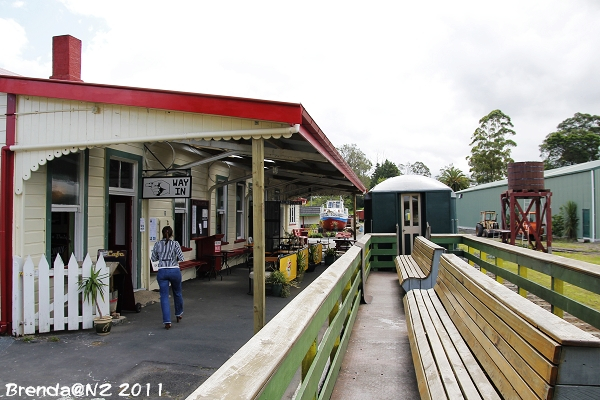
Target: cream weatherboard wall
pixel 96 201
pixel 48 121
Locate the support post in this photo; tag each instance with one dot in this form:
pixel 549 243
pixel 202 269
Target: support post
pixel 354 221
pixel 258 215
pixel 522 271
pixel 483 257
pixel 558 287
pixel 499 264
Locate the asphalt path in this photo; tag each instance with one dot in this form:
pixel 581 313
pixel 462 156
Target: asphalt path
pixel 139 358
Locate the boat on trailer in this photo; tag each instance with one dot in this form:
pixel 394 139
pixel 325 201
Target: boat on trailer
pixel 333 215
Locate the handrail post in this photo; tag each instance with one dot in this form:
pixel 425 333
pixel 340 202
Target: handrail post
pixel 499 264
pixel 483 257
pixel 557 285
pixel 522 271
pixel 332 314
pixel 471 251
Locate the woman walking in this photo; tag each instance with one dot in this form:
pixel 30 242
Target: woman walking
pixel 168 253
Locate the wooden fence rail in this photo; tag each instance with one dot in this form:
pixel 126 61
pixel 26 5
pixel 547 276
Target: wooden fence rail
pixel 46 299
pixel 302 347
pixel 493 256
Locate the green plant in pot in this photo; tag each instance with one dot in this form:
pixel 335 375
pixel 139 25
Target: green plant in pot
pixel 312 258
pixel 92 287
pixel 280 285
pixel 330 255
pixel 300 265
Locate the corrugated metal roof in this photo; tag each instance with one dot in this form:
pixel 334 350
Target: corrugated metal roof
pixel 571 169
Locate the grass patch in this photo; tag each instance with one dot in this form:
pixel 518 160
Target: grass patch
pixel 591 258
pixel 573 292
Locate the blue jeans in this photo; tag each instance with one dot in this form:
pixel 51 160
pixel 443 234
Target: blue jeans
pixel 164 277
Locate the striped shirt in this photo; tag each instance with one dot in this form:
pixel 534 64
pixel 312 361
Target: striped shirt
pixel 167 253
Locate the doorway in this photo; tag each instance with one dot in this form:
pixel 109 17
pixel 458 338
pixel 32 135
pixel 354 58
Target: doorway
pixel 120 229
pixel 410 223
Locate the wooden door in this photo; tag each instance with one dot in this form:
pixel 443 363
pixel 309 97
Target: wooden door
pixel 120 227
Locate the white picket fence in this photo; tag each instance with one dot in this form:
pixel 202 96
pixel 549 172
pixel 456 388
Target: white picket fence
pixel 31 291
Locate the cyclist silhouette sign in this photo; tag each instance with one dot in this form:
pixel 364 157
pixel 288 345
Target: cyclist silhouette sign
pixel 167 187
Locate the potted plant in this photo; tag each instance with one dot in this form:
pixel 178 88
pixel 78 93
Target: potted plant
pixel 312 258
pixel 280 286
pixel 91 287
pixel 300 265
pixel 329 255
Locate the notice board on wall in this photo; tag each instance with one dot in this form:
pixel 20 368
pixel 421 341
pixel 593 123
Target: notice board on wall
pixel 200 219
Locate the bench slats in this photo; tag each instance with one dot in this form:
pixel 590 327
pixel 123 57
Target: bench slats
pixel 490 353
pixel 491 369
pixel 555 327
pixel 478 377
pixel 544 344
pixel 459 369
pixel 506 339
pixel 428 378
pixel 442 360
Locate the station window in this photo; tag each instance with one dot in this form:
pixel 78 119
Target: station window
pixel 121 175
pixel 240 191
pixel 292 214
pixel 182 230
pixel 221 208
pixel 66 226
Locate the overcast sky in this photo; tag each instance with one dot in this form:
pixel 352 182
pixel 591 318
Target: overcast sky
pixel 405 81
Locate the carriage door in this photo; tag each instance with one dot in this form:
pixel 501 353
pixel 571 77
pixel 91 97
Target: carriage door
pixel 410 226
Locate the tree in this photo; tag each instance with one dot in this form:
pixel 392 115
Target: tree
pixel 386 170
pixel 490 151
pixel 418 168
pixel 570 219
pixel 576 141
pixel 454 178
pixel 358 161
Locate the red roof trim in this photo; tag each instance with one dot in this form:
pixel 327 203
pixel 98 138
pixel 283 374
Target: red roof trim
pixel 291 113
pixel 265 110
pixel 311 132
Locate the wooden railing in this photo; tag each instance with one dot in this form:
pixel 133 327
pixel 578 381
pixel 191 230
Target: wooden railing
pixel 41 295
pixel 301 349
pixel 567 284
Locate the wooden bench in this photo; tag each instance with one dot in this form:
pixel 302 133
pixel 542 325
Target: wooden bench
pixel 472 337
pixel 419 270
pixel 189 261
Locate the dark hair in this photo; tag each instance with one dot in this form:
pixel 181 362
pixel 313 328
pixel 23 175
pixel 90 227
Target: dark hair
pixel 167 232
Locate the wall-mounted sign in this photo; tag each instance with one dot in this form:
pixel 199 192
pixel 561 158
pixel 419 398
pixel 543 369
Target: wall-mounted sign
pixel 167 187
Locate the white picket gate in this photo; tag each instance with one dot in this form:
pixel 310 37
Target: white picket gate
pixel 32 287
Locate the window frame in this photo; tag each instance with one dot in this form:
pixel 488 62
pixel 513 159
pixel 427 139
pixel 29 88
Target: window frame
pixel 223 220
pixel 240 213
pixel 79 210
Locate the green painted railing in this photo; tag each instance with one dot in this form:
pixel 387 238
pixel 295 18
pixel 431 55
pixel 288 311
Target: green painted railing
pixel 567 284
pixel 383 248
pixel 301 349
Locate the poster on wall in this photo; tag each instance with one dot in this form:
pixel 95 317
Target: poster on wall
pixel 167 187
pixel 200 218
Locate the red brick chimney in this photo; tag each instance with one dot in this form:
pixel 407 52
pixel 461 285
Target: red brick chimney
pixel 66 58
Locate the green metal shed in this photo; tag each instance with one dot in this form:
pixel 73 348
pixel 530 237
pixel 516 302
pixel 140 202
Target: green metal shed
pixel 579 183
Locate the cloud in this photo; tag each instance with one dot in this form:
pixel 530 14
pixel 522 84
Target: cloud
pixel 12 50
pixel 406 81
